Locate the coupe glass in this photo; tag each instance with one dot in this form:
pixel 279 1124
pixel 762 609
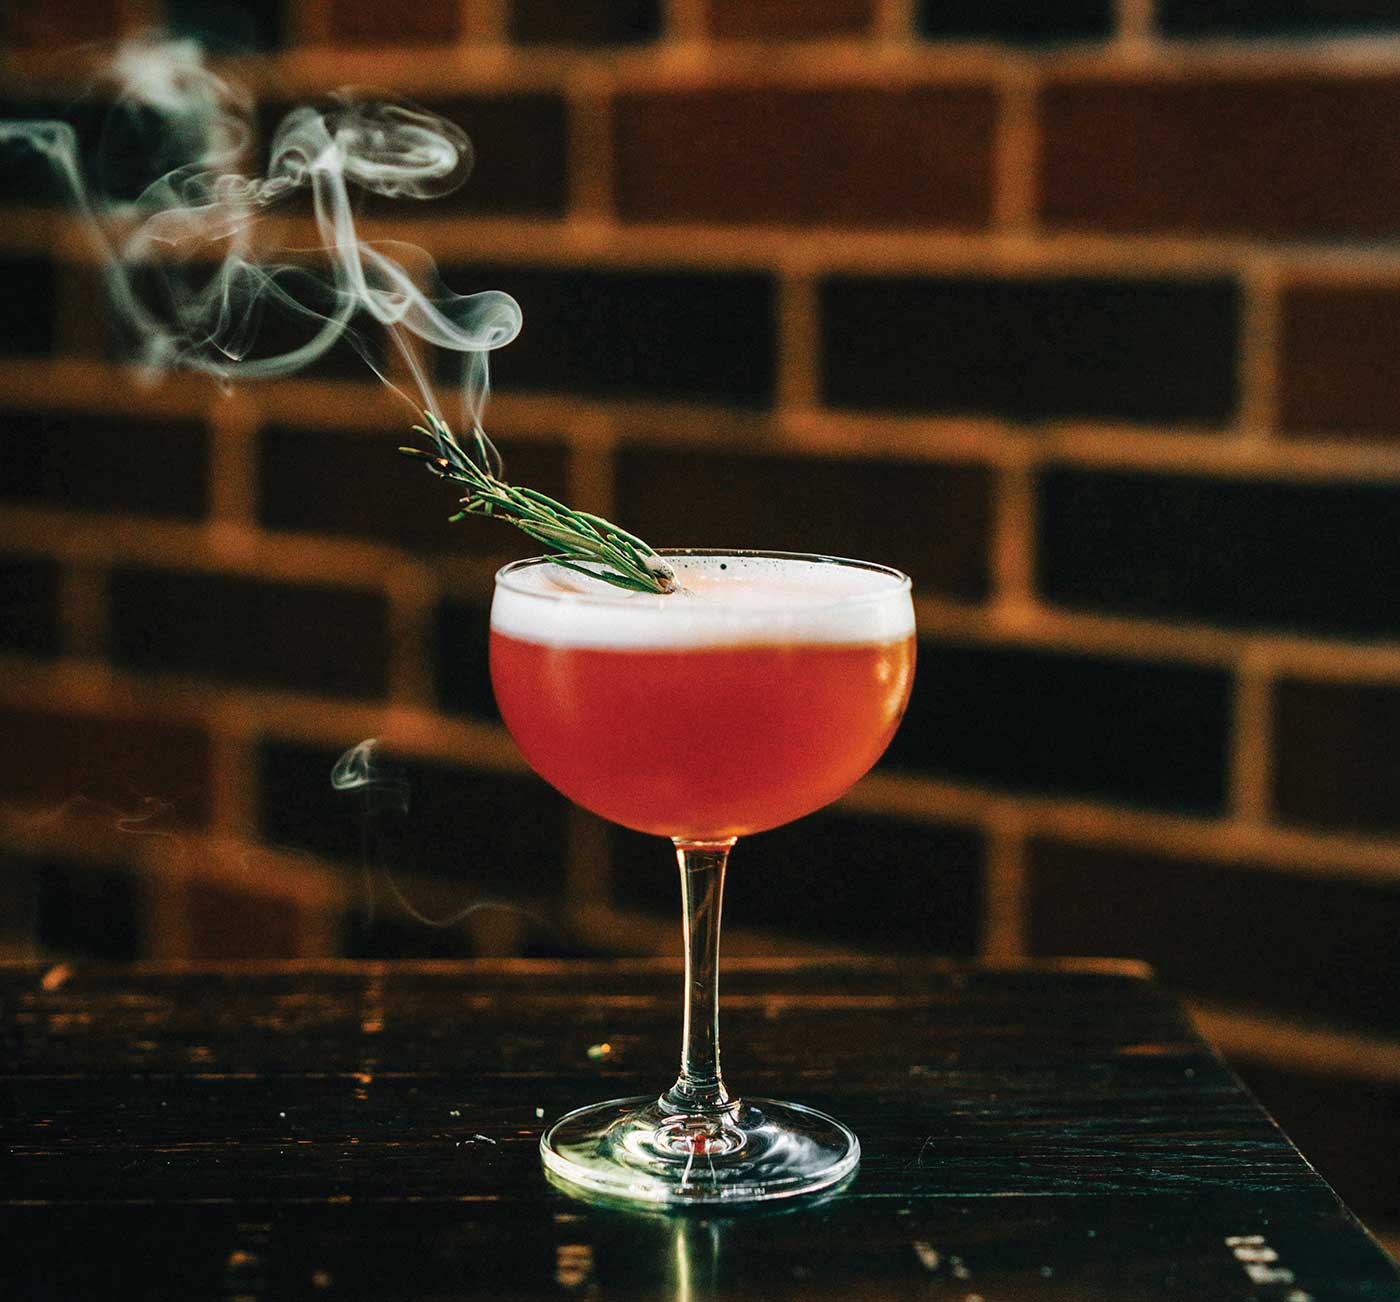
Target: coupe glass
pixel 756 694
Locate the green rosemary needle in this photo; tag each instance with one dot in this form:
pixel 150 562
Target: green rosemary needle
pixel 580 540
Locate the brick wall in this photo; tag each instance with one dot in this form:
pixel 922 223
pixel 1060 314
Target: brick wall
pixel 1090 314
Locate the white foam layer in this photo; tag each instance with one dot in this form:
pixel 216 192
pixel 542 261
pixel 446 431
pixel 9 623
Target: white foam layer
pixel 724 601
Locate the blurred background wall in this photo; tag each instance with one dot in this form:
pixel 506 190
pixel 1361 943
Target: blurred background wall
pixel 1086 314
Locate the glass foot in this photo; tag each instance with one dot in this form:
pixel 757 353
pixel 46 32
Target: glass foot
pixel 640 1150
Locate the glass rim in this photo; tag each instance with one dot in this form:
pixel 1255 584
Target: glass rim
pixel 904 584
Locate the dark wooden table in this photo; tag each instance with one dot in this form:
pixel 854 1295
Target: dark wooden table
pixel 369 1131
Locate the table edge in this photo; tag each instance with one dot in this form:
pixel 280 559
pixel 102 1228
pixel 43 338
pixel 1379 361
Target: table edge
pixel 1133 969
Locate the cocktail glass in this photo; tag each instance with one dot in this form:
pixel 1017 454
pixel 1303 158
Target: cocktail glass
pixel 756 694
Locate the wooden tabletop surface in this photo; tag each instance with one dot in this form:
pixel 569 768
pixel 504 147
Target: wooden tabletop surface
pixel 370 1130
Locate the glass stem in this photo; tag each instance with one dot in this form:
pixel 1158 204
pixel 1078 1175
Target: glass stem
pixel 699 1089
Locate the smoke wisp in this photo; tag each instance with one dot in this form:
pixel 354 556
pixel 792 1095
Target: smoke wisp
pixel 385 791
pixel 187 262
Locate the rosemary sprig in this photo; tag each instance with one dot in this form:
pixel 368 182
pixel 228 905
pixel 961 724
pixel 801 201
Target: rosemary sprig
pixel 580 539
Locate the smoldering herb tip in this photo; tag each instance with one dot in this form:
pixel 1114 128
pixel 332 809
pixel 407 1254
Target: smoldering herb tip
pixel 579 540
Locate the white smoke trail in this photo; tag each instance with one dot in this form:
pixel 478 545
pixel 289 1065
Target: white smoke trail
pixel 387 793
pixel 203 210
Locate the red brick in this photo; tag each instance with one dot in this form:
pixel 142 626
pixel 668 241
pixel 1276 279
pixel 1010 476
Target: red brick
pixel 370 22
pixel 103 461
pixel 1013 719
pixel 1032 348
pixel 408 507
pixel 132 766
pixel 1247 553
pixel 791 19
pixel 83 909
pixel 664 334
pixel 29 614
pixel 679 496
pixel 225 923
pixel 1319 946
pixel 1338 374
pixel 43 22
pixel 1261 156
pixel 333 641
pixel 1289 19
pixel 857 156
pixel 1337 760
pixel 28 310
pixel 519 165
pixel 799 880
pixel 583 22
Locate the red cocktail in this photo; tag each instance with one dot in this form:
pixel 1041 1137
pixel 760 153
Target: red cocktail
pixel 757 693
pixel 706 742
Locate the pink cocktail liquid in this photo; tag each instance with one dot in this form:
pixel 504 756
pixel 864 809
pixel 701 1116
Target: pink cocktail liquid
pixel 756 696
